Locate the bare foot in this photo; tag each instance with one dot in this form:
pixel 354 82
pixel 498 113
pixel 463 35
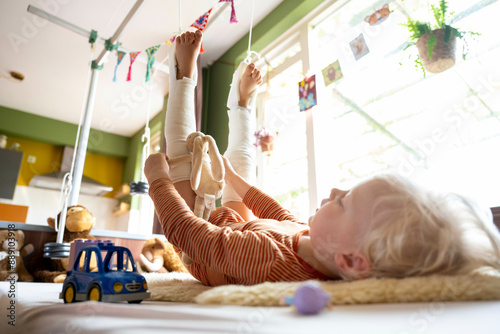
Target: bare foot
pixel 187 49
pixel 249 81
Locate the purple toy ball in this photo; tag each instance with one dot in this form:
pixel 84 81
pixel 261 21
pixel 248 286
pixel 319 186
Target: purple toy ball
pixel 309 298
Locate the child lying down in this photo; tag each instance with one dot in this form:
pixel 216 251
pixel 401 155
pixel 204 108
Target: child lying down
pixel 385 226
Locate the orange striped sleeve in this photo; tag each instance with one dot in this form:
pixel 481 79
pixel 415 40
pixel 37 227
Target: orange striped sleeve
pixel 234 253
pixel 264 206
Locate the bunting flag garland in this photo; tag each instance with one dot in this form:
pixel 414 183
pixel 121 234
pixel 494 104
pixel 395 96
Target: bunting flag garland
pixel 151 59
pixel 202 21
pixel 201 24
pixel 171 41
pixel 133 55
pixel 233 12
pixel 120 55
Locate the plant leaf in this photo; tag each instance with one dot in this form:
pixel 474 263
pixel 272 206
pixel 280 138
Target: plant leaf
pixel 447 33
pixel 431 42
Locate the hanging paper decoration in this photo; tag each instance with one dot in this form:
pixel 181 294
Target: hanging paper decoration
pixel 359 47
pixel 120 55
pixel 332 73
pixel 307 93
pixel 202 21
pixel 379 16
pixel 233 12
pixel 133 55
pixel 171 41
pixel 151 59
pixel 201 24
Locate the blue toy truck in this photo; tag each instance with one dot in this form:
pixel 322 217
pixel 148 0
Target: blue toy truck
pixel 104 272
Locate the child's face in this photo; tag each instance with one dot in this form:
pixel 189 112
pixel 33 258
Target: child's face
pixel 342 220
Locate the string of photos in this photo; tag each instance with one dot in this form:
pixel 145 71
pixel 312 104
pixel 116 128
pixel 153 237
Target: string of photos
pixel 333 72
pixel 199 24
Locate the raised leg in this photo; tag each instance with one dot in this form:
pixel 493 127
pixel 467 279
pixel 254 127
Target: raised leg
pixel 180 119
pixel 241 151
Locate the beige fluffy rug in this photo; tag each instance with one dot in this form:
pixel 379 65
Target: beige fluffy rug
pixel 180 287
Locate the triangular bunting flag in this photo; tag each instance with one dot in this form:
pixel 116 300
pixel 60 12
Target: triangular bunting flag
pixel 202 21
pixel 120 55
pixel 171 41
pixel 233 12
pixel 151 59
pixel 201 24
pixel 133 55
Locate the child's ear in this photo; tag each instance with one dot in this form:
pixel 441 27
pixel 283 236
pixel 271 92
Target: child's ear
pixel 353 265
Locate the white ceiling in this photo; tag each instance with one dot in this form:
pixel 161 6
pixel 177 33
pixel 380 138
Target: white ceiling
pixel 54 60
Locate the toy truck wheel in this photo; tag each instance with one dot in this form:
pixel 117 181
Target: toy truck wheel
pixel 94 293
pixel 69 293
pixel 134 301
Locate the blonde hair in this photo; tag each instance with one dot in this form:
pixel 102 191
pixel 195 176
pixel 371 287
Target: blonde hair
pixel 414 232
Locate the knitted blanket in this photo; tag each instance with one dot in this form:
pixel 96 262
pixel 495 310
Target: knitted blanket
pixel 181 287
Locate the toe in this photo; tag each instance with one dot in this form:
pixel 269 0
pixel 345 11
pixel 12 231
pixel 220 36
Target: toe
pixel 249 69
pixel 256 74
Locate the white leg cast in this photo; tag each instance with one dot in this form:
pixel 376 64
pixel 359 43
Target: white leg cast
pixel 240 149
pixel 180 120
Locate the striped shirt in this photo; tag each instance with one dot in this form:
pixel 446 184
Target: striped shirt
pixel 228 250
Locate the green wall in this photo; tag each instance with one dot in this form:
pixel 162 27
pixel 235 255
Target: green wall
pixel 217 77
pixel 17 123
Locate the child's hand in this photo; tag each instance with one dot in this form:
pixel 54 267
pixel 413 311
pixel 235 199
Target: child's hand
pixel 229 172
pixel 156 167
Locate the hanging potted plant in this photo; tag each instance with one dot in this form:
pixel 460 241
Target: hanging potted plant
pixel 265 140
pixel 436 42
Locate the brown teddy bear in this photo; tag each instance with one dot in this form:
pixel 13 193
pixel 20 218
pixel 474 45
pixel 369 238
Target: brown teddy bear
pixel 12 265
pixel 79 222
pixel 160 256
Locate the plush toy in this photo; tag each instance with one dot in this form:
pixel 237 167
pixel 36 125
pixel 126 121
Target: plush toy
pixel 12 265
pixel 207 174
pixel 79 222
pixel 159 256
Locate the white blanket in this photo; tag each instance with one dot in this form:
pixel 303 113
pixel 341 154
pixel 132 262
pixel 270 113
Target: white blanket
pixel 38 309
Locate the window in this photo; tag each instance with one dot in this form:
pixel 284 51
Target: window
pixel 118 261
pixel 383 116
pixel 284 173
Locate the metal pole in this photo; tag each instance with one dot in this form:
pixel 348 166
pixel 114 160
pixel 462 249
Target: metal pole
pixel 82 143
pixel 56 20
pixel 85 33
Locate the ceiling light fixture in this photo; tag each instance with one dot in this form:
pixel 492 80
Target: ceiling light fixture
pixel 13 76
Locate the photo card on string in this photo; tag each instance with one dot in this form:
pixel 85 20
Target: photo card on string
pixel 332 73
pixel 359 47
pixel 307 93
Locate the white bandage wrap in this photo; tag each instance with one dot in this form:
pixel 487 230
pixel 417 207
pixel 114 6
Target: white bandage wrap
pixel 180 120
pixel 240 149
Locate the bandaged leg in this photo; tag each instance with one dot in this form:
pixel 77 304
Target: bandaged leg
pixel 180 120
pixel 240 150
